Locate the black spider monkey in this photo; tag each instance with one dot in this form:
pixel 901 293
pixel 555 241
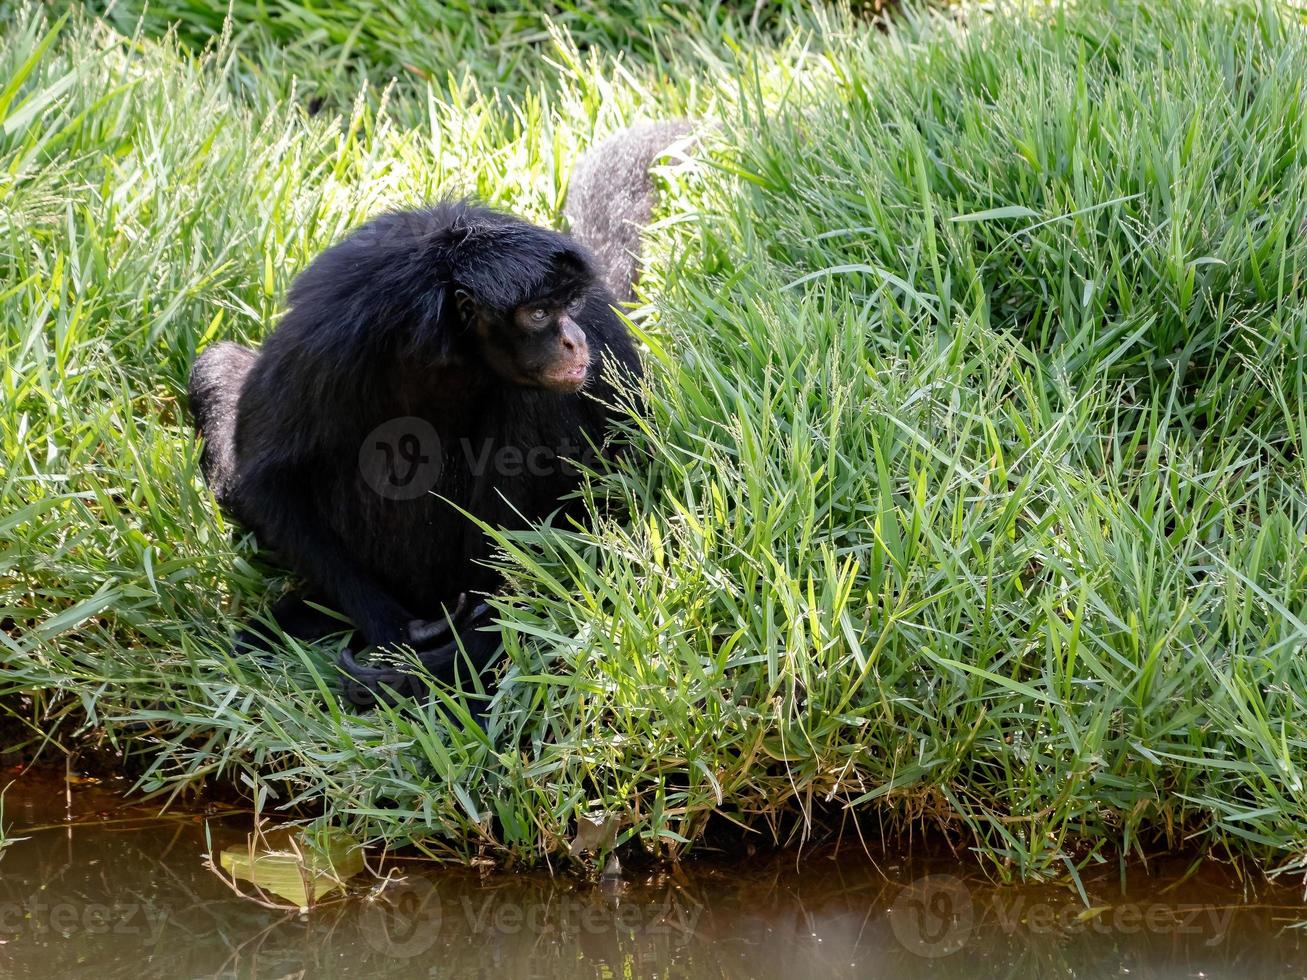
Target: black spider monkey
pixel 435 361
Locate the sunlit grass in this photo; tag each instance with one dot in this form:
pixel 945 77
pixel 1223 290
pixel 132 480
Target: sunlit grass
pixel 501 47
pixel 971 494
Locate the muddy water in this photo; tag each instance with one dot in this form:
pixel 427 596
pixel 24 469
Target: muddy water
pixel 119 892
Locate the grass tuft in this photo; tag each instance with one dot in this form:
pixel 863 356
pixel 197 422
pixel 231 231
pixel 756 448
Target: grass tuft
pixel 971 493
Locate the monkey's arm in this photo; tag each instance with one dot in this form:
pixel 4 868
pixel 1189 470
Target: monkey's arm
pixel 287 436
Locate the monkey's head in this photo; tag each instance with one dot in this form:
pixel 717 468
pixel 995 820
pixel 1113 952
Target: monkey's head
pixel 526 307
pixel 536 344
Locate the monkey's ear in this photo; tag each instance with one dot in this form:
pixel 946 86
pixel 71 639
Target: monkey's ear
pixel 466 304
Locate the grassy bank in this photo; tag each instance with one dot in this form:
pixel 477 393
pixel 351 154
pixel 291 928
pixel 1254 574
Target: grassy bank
pixel 973 496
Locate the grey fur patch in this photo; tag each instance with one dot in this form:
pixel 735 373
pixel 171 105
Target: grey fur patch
pixel 214 389
pixel 611 197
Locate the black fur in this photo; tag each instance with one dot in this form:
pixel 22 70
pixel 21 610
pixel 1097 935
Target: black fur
pixel 377 330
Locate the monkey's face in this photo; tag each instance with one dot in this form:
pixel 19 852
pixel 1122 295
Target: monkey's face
pixel 538 345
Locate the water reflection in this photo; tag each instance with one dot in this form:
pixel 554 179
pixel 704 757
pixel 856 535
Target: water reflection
pixel 127 895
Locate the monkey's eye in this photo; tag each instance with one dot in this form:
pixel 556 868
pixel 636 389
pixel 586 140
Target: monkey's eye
pixel 574 307
pixel 538 316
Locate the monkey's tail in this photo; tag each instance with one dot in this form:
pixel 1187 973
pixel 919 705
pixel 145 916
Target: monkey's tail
pixel 217 378
pixel 611 196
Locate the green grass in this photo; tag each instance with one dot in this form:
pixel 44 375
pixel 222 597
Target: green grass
pixel 501 46
pixel 972 493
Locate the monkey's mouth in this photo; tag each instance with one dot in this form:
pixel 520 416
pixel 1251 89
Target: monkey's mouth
pixel 573 379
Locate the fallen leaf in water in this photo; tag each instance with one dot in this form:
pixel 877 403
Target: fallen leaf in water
pixel 596 832
pixel 283 863
pixel 1092 913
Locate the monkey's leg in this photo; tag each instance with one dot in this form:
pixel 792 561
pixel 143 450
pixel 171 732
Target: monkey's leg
pixel 302 619
pixel 295 616
pixel 276 500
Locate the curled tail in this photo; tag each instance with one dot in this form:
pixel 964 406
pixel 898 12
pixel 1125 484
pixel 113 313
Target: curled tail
pixel 611 197
pixel 217 378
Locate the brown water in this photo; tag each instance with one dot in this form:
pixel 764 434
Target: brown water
pixel 119 892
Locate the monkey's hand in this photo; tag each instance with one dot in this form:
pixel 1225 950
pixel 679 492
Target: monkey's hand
pixel 424 634
pixel 441 646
